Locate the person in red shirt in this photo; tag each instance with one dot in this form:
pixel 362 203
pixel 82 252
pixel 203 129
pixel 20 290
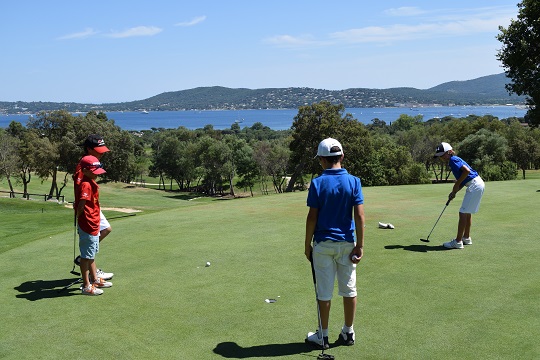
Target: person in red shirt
pixel 94 145
pixel 87 213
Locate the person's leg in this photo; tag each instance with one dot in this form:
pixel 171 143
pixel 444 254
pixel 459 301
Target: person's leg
pixel 462 224
pixel 85 272
pixel 468 223
pixel 346 275
pixel 349 310
pixel 104 226
pixel 324 309
pixel 103 233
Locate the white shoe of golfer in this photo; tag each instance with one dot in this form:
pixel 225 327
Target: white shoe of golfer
pixel 104 275
pixel 466 241
pixel 314 339
pixel 453 244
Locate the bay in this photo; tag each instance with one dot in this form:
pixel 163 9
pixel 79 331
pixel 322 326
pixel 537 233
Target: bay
pixel 281 119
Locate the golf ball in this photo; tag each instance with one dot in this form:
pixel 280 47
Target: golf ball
pixel 207 263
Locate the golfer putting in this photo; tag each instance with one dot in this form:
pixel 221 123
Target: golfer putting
pixel 466 177
pixel 336 214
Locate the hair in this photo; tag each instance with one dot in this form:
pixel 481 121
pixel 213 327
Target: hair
pixel 333 159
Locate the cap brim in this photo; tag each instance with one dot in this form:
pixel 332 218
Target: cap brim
pixel 101 149
pixel 98 171
pixel 439 154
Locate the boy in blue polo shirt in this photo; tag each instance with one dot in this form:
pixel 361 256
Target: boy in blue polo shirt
pixel 467 177
pixel 336 214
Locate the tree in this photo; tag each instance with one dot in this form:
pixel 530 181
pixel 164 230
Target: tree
pixel 520 55
pixel 524 148
pixel 9 157
pixel 312 124
pixel 486 152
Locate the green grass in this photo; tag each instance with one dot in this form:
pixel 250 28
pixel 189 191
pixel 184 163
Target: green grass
pixel 416 301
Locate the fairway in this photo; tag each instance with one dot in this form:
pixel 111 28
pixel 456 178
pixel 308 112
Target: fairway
pixel 416 300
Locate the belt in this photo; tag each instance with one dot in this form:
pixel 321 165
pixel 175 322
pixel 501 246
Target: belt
pixel 471 182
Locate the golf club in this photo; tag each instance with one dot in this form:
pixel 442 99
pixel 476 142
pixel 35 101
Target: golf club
pixel 427 239
pixel 70 285
pixel 322 355
pixel 73 272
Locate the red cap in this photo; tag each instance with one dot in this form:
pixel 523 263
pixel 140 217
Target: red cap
pixel 92 163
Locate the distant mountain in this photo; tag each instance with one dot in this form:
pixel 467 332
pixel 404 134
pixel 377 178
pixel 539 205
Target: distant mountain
pixel 484 90
pixel 492 85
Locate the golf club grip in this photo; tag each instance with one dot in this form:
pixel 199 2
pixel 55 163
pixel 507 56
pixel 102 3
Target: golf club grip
pixel 448 202
pixel 312 268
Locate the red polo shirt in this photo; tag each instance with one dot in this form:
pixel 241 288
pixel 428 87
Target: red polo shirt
pixel 89 219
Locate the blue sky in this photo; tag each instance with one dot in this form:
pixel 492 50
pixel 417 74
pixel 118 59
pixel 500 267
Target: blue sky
pixel 115 51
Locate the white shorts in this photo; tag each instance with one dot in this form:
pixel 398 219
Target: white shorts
pixel 103 223
pixel 473 195
pixel 330 260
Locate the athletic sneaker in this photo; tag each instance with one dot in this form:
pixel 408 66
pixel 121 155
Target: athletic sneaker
pixel 453 244
pixel 320 342
pixel 91 290
pixel 466 241
pixel 104 275
pixel 101 283
pixel 348 338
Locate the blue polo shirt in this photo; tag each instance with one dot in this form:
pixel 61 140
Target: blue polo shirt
pixel 456 163
pixel 334 194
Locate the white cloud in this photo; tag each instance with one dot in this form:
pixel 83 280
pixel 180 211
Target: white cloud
pixel 439 24
pixel 136 31
pixel 293 41
pixel 404 11
pixel 465 26
pixel 194 21
pixel 80 35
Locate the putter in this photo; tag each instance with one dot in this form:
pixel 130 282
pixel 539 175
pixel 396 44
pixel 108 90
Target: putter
pixel 322 355
pixel 69 285
pixel 427 239
pixel 73 272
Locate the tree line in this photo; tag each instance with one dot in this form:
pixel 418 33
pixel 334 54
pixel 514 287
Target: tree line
pixel 257 158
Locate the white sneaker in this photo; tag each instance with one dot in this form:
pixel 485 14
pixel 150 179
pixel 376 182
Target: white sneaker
pixel 92 291
pixel 100 283
pixel 466 241
pixel 453 244
pixel 347 338
pixel 320 342
pixel 104 275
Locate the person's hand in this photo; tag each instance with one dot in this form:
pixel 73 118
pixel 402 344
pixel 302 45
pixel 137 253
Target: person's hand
pixel 308 251
pixel 451 196
pixel 356 255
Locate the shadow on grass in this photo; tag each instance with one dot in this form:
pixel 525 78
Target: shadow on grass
pixel 234 351
pixel 417 247
pixel 48 289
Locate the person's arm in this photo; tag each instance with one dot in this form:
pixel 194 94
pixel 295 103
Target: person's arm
pixel 80 207
pixel 311 223
pixel 359 222
pixel 465 171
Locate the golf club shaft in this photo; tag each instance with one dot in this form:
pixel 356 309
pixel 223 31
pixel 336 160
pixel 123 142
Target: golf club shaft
pixel 317 299
pixel 445 206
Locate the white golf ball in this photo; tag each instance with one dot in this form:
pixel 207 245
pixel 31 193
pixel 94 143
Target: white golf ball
pixel 207 263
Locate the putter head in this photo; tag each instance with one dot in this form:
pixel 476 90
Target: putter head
pixel 325 357
pixel 424 240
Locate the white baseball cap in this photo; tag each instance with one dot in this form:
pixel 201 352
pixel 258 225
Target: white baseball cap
pixel 329 147
pixel 442 148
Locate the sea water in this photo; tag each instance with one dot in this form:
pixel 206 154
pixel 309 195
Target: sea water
pixel 278 119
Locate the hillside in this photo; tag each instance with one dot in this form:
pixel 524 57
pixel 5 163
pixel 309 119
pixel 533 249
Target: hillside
pixel 484 90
